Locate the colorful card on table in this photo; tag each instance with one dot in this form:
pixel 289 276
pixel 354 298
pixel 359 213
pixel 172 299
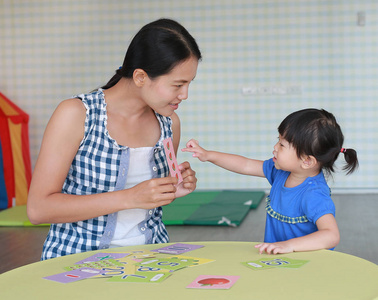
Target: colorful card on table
pixel 171 159
pixel 118 271
pixel 198 261
pixel 102 256
pixel 213 282
pixel 177 248
pixel 139 254
pixel 144 277
pixel 107 267
pixel 293 263
pixel 269 263
pixel 107 263
pixel 171 264
pixel 74 275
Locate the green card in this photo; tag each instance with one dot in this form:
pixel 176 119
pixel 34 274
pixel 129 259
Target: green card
pixel 101 264
pixel 146 277
pixel 171 263
pixel 281 262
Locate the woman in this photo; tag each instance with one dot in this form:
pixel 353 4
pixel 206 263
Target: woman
pixel 101 176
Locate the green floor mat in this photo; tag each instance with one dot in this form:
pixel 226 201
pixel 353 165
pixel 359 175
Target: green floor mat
pixel 220 207
pixel 224 208
pixel 182 208
pixel 16 216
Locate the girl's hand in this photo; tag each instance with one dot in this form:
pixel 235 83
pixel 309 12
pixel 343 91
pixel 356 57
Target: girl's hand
pixel 194 147
pixel 275 248
pixel 326 237
pixel 189 182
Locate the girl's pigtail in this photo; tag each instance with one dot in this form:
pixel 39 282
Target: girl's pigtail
pixel 350 156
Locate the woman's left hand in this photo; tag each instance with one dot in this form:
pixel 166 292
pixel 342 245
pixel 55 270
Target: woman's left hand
pixel 189 182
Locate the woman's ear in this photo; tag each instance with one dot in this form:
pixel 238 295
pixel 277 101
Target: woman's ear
pixel 139 77
pixel 309 162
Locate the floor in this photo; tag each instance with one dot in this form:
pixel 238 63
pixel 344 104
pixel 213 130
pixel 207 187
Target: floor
pixel 356 217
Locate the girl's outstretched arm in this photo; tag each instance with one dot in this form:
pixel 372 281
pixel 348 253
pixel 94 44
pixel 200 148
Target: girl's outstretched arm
pixel 232 162
pixel 326 237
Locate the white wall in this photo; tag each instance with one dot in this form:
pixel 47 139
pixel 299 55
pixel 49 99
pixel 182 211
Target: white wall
pixel 313 52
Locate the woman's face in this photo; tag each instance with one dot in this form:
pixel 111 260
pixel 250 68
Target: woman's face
pixel 164 93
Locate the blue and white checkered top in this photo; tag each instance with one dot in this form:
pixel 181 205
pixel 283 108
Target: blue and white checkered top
pixel 100 166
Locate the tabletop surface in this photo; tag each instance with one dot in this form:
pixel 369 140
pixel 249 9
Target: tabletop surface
pixel 325 275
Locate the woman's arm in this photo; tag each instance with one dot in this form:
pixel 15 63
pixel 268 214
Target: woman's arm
pixel 47 204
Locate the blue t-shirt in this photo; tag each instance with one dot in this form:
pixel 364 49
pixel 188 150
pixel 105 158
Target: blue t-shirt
pixel 293 212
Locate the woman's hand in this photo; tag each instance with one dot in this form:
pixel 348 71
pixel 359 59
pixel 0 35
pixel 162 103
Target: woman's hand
pixel 189 182
pixel 162 191
pixel 152 193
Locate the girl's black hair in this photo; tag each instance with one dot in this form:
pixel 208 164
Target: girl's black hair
pixel 157 48
pixel 315 132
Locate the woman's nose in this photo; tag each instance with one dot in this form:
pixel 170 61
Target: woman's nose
pixel 184 93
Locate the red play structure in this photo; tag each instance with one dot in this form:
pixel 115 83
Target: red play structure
pixel 15 165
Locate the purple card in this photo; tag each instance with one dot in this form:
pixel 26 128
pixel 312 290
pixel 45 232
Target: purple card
pixel 74 275
pixel 102 256
pixel 177 248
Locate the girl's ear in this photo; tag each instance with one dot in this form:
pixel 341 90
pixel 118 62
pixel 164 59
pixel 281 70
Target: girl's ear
pixel 309 162
pixel 139 77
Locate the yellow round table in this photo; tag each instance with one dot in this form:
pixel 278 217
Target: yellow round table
pixel 326 275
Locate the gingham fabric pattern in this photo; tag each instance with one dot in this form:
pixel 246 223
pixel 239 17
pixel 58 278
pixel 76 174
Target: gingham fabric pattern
pixel 94 170
pixel 282 218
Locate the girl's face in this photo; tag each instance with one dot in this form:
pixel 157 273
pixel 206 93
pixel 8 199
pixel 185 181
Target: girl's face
pixel 285 156
pixel 165 93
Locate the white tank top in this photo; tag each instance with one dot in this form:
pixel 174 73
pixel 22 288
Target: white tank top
pixel 127 232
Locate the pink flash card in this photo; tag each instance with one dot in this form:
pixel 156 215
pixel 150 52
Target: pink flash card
pixel 213 282
pixel 171 159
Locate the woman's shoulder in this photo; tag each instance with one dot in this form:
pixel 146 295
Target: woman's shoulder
pixel 70 108
pixel 96 97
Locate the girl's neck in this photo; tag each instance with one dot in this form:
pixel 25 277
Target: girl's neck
pixel 295 179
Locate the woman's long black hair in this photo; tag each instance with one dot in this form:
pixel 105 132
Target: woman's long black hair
pixel 157 48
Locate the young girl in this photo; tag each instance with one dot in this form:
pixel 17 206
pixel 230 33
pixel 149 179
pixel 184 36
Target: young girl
pixel 101 175
pixel 300 211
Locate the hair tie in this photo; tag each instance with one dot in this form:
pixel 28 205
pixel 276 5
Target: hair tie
pixel 120 68
pixel 343 150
